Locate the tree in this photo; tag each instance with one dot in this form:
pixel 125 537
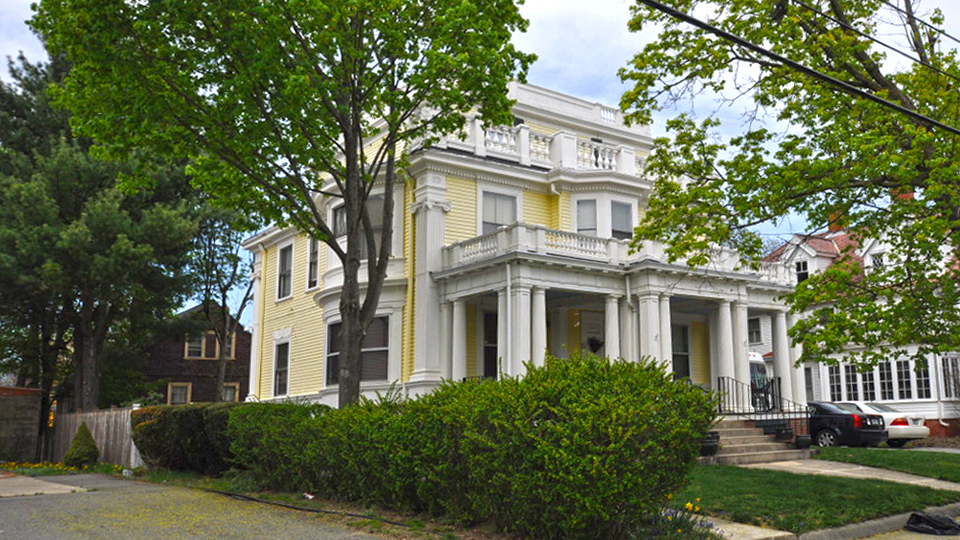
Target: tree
pixel 221 270
pixel 277 100
pixel 77 255
pixel 835 155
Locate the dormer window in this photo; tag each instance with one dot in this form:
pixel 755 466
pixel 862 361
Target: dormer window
pixel 877 261
pixel 802 272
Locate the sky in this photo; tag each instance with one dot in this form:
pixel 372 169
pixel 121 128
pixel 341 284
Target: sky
pixel 580 44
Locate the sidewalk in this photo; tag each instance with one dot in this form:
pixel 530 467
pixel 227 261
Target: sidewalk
pixel 888 528
pixel 12 485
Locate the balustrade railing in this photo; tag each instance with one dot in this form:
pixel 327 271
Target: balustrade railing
pixel 540 147
pixel 501 139
pixel 594 155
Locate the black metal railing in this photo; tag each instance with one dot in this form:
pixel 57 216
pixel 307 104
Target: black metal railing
pixel 762 402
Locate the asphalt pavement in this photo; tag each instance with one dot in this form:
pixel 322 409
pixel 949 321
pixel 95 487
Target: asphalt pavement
pixel 97 507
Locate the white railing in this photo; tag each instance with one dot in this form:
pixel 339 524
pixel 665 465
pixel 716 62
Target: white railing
pixel 501 139
pixel 540 147
pixel 576 244
pixel 594 155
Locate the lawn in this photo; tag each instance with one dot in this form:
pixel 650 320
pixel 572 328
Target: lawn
pixel 801 503
pixel 939 465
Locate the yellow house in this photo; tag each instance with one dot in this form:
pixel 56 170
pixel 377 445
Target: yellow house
pixel 511 243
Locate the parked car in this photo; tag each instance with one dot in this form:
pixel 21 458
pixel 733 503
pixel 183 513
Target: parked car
pixel 901 427
pixel 832 426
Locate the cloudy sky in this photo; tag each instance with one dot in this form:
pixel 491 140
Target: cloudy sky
pixel 580 43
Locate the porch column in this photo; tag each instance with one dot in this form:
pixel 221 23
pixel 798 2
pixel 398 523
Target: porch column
pixel 627 332
pixel 538 342
pixel 429 214
pixel 521 329
pixel 458 369
pixel 611 327
pixel 503 355
pixel 781 355
pixel 725 341
pixel 649 313
pixel 253 388
pixel 666 334
pixel 740 358
pixel 799 376
pixel 446 340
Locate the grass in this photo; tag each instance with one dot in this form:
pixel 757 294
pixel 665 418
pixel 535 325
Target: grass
pixel 800 503
pixel 939 465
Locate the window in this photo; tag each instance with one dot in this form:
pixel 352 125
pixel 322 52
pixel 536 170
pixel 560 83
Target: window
pixel 373 352
pixel 753 331
pixel 313 263
pixel 835 385
pixel 903 379
pixel 374 210
pixel 490 358
pixel 284 272
pixel 620 221
pixel 499 210
pixel 886 381
pixel 853 389
pixel 869 385
pixel 281 368
pixel 808 383
pixel 195 347
pixel 951 376
pixel 587 217
pixel 231 392
pixel 802 272
pixel 178 393
pixel 680 337
pixel 923 382
pixel 877 261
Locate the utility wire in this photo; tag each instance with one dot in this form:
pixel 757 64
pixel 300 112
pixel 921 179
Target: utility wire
pixel 919 20
pixel 875 40
pixel 841 85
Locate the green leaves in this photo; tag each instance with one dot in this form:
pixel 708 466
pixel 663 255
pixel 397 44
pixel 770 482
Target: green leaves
pixel 807 149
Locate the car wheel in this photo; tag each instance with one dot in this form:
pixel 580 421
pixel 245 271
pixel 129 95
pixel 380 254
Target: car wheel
pixel 827 438
pixel 897 443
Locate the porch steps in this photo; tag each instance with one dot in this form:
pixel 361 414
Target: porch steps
pixel 741 445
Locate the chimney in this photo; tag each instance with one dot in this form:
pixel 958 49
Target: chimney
pixel 836 222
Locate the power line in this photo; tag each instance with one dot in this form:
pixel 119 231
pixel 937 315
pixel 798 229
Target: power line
pixel 918 19
pixel 875 40
pixel 841 85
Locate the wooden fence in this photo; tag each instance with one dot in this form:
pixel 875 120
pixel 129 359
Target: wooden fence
pixel 111 430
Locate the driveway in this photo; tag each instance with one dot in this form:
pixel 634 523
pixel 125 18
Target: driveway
pixel 116 509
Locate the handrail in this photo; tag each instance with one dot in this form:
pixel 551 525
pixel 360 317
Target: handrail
pixel 762 401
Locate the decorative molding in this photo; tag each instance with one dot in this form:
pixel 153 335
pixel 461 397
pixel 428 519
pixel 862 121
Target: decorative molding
pixel 430 205
pixel 283 334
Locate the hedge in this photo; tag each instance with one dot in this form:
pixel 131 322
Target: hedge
pixel 184 437
pixel 579 448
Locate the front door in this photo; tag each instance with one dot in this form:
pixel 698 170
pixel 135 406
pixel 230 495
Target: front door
pixel 488 367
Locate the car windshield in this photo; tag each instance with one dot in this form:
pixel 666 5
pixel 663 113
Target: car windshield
pixel 849 407
pixel 881 407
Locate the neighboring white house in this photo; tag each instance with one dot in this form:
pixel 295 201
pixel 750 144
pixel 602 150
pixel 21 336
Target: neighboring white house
pixel 930 390
pixel 511 243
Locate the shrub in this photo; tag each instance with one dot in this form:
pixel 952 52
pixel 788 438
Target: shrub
pixel 83 449
pixel 156 437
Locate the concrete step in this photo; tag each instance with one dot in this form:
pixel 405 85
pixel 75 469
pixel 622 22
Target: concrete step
pixel 747 439
pixel 752 448
pixel 727 424
pixel 757 457
pixel 738 432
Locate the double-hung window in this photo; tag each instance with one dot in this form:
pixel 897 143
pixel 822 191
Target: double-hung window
pixel 178 393
pixel 313 263
pixel 374 211
pixel 499 210
pixel 587 217
pixel 621 226
pixel 374 352
pixel 802 271
pixel 281 368
pixel 753 331
pixel 284 272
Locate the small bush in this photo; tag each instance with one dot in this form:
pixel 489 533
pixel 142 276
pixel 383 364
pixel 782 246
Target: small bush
pixel 83 449
pixel 156 437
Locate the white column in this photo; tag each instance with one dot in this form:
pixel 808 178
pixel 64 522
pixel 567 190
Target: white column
pixel 799 377
pixel 725 340
pixel 666 333
pixel 429 210
pixel 740 358
pixel 781 355
pixel 503 366
pixel 538 341
pixel 458 369
pixel 627 333
pixel 649 314
pixel 611 327
pixel 521 329
pixel 253 390
pixel 446 340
